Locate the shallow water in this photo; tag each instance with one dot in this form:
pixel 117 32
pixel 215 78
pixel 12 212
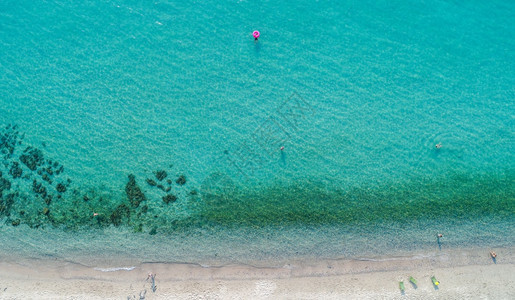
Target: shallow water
pixel 358 93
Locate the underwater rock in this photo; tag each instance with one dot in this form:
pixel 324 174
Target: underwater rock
pixel 16 222
pixel 153 231
pixel 193 192
pixel 60 188
pixel 33 158
pixel 168 189
pixel 46 211
pixel 15 170
pixel 169 198
pixel 181 180
pixel 134 193
pixel 48 199
pixel 169 181
pixel 161 187
pixel 161 174
pixel 151 182
pixel 85 198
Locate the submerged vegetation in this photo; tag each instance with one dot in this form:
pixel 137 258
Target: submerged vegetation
pixel 35 191
pixel 457 196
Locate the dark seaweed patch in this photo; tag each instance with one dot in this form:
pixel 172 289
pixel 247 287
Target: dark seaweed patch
pixel 169 198
pixel 122 211
pixel 151 182
pixel 134 193
pixel 46 178
pixel 181 180
pixel 9 139
pixel 4 185
pixel 161 174
pixel 15 170
pixel 32 158
pixel 61 188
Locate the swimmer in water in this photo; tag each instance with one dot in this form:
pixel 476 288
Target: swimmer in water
pixel 256 35
pixel 438 146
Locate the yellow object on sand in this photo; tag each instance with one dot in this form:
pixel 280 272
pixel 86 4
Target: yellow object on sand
pixel 435 282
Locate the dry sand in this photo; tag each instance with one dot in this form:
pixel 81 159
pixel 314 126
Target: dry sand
pixel 473 275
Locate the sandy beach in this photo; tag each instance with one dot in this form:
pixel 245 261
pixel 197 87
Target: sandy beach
pixel 257 149
pixel 463 274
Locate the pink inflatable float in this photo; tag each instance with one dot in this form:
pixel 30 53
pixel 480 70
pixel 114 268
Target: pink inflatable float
pixel 255 34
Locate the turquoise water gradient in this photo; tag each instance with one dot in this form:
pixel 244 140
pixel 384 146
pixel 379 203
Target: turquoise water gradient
pixel 113 88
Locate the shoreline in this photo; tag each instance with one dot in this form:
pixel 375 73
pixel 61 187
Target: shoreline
pixel 462 273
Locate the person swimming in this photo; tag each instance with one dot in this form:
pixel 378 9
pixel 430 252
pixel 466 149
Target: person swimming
pixel 255 34
pixel 438 146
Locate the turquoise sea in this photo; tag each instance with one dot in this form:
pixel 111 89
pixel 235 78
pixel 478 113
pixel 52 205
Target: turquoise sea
pixel 152 130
